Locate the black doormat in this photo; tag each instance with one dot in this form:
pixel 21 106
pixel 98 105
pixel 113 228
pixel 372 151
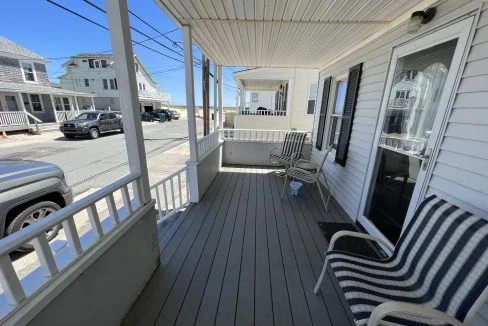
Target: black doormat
pixel 354 245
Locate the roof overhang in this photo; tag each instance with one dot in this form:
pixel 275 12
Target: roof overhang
pixel 21 57
pixel 8 87
pixel 305 34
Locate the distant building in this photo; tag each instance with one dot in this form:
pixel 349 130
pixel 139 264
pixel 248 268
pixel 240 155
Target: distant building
pixel 25 87
pixel 95 73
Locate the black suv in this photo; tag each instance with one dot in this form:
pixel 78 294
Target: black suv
pixel 91 124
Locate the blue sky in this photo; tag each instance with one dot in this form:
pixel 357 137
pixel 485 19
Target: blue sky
pixel 55 34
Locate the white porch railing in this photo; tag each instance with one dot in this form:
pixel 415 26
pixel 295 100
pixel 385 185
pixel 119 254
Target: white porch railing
pixel 258 135
pixel 16 290
pixel 171 194
pixel 13 118
pixel 66 115
pixel 262 112
pixel 207 143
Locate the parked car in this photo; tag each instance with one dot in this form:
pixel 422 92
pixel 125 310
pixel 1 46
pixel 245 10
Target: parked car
pixel 166 113
pixel 30 191
pixel 174 114
pixel 92 124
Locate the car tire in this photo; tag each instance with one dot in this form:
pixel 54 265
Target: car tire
pixel 94 133
pixel 121 130
pixel 69 136
pixel 31 215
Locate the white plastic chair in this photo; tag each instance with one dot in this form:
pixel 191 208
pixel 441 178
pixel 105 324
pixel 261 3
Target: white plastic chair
pixel 309 175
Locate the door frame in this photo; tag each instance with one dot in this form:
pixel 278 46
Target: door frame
pixel 460 30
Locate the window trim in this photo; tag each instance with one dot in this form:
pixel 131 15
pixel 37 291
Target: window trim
pixel 105 84
pixel 332 102
pixel 86 81
pixel 314 98
pixel 35 81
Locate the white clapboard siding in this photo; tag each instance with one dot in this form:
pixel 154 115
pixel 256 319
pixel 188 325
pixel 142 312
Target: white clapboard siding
pixel 348 182
pixel 460 173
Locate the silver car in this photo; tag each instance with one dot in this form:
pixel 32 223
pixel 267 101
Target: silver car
pixel 30 191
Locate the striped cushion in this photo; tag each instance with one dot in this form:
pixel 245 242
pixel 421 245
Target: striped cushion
pixel 440 261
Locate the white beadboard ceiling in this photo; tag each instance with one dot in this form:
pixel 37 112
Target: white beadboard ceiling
pixel 282 33
pixel 262 84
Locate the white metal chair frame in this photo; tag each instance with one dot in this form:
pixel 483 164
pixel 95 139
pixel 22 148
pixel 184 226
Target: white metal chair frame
pixel 277 155
pixel 309 176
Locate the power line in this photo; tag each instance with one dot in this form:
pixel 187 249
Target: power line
pixel 135 29
pixel 105 28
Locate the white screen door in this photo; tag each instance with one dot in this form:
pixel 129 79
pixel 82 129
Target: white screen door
pixel 419 87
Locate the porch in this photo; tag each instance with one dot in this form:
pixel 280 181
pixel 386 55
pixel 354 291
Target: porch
pixel 243 256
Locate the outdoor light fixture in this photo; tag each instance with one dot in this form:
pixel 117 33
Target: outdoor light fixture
pixel 419 18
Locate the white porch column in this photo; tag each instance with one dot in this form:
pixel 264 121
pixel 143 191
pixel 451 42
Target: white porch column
pixel 190 107
pixel 93 103
pixel 242 95
pixel 54 108
pixel 216 118
pixel 221 107
pixel 77 107
pixel 22 106
pixel 120 38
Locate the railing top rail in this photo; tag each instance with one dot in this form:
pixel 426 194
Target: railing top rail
pixel 208 136
pixel 264 130
pixel 33 116
pixel 15 240
pixel 168 177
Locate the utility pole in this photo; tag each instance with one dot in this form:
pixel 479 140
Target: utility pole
pixel 205 93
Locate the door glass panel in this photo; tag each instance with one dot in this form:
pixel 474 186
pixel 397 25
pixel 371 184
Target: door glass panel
pixel 417 87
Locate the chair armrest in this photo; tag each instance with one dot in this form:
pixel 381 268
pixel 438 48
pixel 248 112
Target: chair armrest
pixel 274 149
pixel 391 307
pixel 294 168
pixel 366 236
pixel 295 156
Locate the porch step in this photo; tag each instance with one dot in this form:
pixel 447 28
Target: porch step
pixel 46 127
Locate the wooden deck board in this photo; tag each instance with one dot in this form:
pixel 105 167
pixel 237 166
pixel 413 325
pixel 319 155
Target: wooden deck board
pixel 243 256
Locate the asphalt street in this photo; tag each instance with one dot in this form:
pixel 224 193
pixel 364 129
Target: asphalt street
pixel 94 163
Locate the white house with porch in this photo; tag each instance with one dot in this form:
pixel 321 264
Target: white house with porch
pixel 26 96
pixel 95 73
pixel 276 98
pixel 230 250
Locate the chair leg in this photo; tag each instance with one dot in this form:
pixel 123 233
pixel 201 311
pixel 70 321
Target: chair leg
pixel 321 278
pixel 322 196
pixel 284 186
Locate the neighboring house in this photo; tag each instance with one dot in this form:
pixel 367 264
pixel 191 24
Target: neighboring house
pixel 95 73
pixel 276 98
pixel 25 87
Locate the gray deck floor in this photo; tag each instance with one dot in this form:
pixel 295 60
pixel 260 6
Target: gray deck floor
pixel 242 256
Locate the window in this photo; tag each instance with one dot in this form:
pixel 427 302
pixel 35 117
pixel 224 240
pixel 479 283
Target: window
pixel 112 116
pixel 28 71
pixel 312 96
pixel 91 63
pixel 140 86
pixel 254 97
pixel 87 82
pixel 105 84
pixel 112 84
pixel 58 104
pixel 103 116
pixel 137 67
pixel 66 104
pixel 338 110
pixel 104 63
pixel 115 81
pixel 144 86
pixel 36 102
pixel 97 64
pixel 25 99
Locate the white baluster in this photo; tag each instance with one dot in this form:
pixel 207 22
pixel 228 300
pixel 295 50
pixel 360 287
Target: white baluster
pixel 112 208
pixel 95 221
pixel 69 227
pixel 45 255
pixel 126 198
pixel 10 281
pixel 158 201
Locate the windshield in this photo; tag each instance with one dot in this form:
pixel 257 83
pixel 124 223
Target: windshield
pixel 87 116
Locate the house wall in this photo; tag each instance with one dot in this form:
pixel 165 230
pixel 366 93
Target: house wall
pixel 75 76
pixel 266 99
pixel 104 292
pixel 297 118
pixel 459 173
pixel 10 71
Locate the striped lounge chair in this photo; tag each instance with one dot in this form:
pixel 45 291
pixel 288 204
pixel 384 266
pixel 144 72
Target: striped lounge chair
pixel 437 275
pixel 292 149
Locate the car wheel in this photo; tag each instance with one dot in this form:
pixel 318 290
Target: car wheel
pixel 94 133
pixel 29 216
pixel 69 136
pixel 121 130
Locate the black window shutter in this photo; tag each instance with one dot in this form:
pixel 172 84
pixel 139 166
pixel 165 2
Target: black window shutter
pixel 348 113
pixel 323 113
